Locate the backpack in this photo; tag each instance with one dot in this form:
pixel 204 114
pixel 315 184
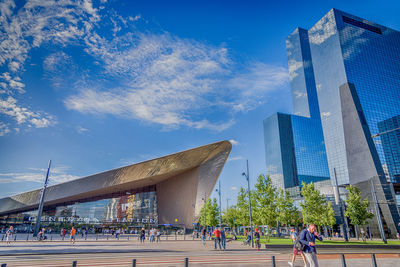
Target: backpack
pixel 297 244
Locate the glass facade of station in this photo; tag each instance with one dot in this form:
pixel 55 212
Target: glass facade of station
pixel 136 209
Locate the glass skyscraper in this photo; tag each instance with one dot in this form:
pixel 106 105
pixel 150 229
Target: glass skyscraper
pixel 295 149
pixel 345 78
pixel 348 49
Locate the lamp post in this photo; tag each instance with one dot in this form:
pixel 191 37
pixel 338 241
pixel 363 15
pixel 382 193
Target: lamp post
pixel 205 210
pixel 220 207
pixel 248 189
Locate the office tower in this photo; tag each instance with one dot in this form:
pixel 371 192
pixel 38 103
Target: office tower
pixel 294 144
pixel 356 71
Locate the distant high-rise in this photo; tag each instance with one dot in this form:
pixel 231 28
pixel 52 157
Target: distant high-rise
pixel 295 149
pixel 355 70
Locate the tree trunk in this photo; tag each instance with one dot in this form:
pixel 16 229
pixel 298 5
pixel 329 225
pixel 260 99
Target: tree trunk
pixel 356 230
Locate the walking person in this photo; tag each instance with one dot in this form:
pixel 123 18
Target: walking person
pixel 142 235
pixel 72 235
pixel 158 235
pixel 152 234
pixel 63 233
pixel 257 238
pixel 307 238
pixel 296 247
pixel 9 235
pixel 223 238
pixel 217 240
pixel 203 236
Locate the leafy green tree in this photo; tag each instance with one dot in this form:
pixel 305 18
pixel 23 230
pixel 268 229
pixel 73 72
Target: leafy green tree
pixel 357 208
pixel 265 208
pixel 314 205
pixel 288 213
pixel 243 217
pixel 230 216
pixel 212 213
pixel 329 218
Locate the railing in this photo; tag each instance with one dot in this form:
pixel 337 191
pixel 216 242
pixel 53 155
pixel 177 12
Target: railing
pixel 270 262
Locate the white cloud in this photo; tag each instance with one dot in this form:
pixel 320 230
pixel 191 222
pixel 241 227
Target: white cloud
pixel 167 80
pixel 162 79
pixel 233 188
pixel 234 142
pixel 57 175
pixel 10 84
pixel 235 158
pixel 21 115
pixel 81 130
pixel 4 129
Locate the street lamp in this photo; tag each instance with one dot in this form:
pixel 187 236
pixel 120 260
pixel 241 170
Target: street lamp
pixel 248 189
pixel 205 209
pixel 220 207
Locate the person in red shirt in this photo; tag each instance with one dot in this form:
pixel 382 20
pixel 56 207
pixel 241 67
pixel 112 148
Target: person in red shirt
pixel 217 234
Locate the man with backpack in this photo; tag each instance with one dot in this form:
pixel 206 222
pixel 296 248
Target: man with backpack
pixel 307 238
pixel 297 247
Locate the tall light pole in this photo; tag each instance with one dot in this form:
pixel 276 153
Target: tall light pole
pixel 227 203
pixel 248 189
pixel 205 210
pixel 40 208
pixel 341 207
pixel 220 207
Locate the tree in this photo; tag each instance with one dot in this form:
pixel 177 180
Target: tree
pixel 357 208
pixel 265 208
pixel 329 218
pixel 230 216
pixel 212 213
pixel 287 212
pixel 242 205
pixel 314 206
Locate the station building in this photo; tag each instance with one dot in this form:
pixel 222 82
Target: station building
pixel 165 191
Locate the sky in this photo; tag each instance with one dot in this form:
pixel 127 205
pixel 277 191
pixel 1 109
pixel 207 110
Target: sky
pixel 97 85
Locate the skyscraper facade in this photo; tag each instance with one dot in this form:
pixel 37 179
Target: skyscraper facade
pixel 345 79
pixel 347 49
pixel 295 149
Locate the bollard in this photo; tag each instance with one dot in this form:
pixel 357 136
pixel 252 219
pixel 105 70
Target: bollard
pixel 2 238
pixel 97 237
pixel 273 261
pixel 74 264
pixel 134 263
pixel 27 237
pixel 51 237
pixel 373 260
pixel 343 261
pixel 186 262
pixel 107 238
pixel 15 238
pixel 128 237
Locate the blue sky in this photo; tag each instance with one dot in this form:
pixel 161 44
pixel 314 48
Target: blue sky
pixel 96 85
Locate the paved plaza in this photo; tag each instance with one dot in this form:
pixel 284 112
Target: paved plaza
pixel 173 253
